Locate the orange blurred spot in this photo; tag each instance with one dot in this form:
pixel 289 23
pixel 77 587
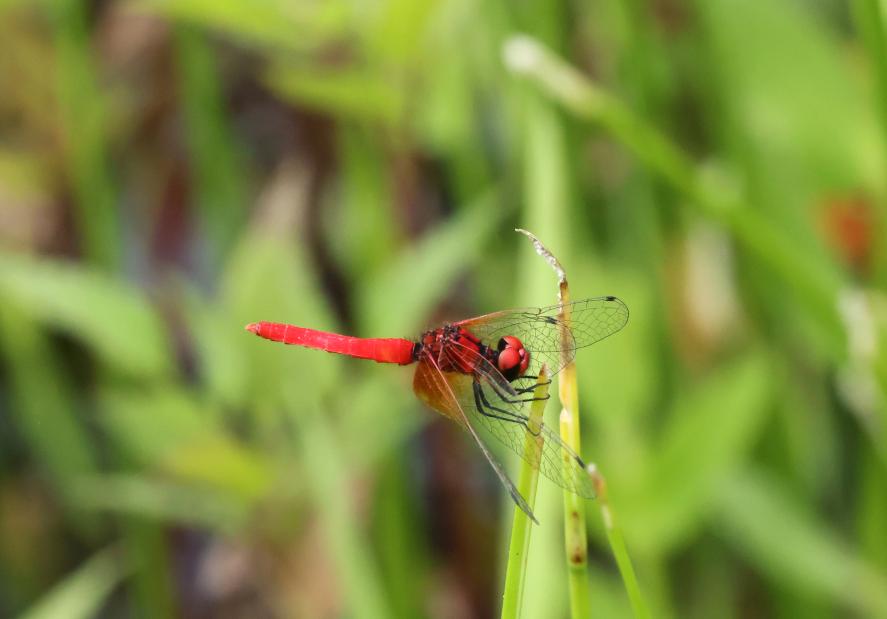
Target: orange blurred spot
pixel 848 225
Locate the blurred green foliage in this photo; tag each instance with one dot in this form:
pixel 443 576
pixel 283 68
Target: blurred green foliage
pixel 172 170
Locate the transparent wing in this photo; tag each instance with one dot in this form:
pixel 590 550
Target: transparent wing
pixel 502 413
pixel 547 338
pixel 435 389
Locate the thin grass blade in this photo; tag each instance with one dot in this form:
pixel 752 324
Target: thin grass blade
pixel 516 570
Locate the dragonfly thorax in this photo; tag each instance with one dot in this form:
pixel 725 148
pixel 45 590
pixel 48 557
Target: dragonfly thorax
pixel 456 349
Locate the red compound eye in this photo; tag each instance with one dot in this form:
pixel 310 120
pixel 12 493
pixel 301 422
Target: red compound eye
pixel 524 361
pixel 508 359
pixel 513 358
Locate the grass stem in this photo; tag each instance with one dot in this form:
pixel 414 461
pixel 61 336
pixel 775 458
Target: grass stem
pixel 617 545
pixel 575 535
pixel 516 569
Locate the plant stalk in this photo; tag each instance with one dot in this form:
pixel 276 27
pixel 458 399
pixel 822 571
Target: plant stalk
pixel 617 545
pixel 575 535
pixel 516 569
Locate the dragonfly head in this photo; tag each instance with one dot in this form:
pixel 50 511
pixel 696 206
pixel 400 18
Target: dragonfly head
pixel 513 358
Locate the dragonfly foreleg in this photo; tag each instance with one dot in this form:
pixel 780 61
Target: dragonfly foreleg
pixel 532 387
pixel 484 407
pixel 532 377
pixel 507 397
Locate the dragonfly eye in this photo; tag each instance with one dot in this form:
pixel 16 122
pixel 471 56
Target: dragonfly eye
pixel 513 359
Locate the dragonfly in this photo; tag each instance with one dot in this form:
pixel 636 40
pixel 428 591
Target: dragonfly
pixel 482 372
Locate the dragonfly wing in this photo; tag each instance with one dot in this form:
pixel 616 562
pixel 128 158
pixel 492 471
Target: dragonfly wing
pixel 503 415
pixel 549 339
pixel 434 389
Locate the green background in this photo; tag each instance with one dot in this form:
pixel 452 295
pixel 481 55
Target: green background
pixel 172 170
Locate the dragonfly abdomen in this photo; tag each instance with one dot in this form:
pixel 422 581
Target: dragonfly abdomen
pixel 381 350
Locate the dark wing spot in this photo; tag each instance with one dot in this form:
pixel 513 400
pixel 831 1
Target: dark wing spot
pixel 550 320
pixel 611 298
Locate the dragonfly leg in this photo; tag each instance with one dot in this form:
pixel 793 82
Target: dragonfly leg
pixel 532 377
pixel 532 387
pixel 509 485
pixel 507 398
pixel 485 409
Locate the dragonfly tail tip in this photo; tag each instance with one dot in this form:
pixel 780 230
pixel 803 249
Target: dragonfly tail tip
pixel 253 326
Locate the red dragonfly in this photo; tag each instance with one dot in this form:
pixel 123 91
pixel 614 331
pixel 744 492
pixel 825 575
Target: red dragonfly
pixel 481 373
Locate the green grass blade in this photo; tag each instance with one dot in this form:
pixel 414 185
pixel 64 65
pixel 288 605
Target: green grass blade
pixel 575 532
pixel 81 594
pixel 617 545
pixel 108 316
pixel 794 546
pixel 219 177
pixel 871 22
pixel 427 269
pixel 516 569
pixel 43 410
pixel 83 126
pixel 327 481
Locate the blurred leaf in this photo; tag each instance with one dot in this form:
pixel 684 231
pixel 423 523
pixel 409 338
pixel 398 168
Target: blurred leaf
pixel 871 22
pixel 362 223
pixel 403 28
pixel 275 23
pixel 83 129
pixel 792 88
pixel 218 340
pixel 168 501
pixel 355 93
pixel 809 432
pixel 618 375
pixel 270 278
pixel 609 595
pixel 327 480
pixel 82 593
pixel 219 169
pixel 103 313
pixel 398 301
pixel 547 193
pixel 398 535
pixel 465 114
pixel 167 430
pixel 785 540
pixel 43 403
pixel 815 285
pixel 223 463
pixel 871 508
pixel 708 433
pixel 382 415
